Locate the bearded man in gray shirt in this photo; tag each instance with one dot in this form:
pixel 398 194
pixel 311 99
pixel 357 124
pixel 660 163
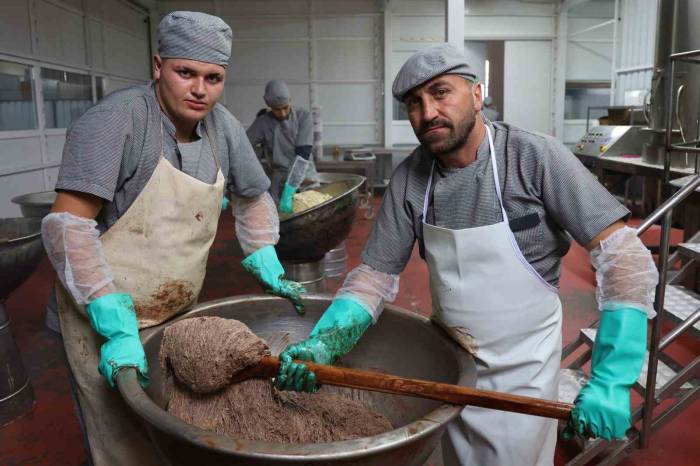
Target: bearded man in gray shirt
pixel 493 208
pixel 139 195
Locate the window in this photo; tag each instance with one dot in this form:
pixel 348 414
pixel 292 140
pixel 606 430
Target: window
pixel 581 96
pixel 17 108
pixel 400 112
pixel 66 96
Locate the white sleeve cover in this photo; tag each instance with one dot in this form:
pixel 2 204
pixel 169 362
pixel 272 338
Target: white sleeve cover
pixel 625 272
pixel 371 287
pixel 257 222
pixel 75 251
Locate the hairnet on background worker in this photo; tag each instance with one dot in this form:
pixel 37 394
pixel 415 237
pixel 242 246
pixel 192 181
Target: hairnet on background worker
pixel 492 207
pixel 277 94
pixel 286 134
pixel 139 197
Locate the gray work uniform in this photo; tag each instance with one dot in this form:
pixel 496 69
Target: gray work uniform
pixel 491 113
pixel 548 195
pixel 280 138
pixel 112 150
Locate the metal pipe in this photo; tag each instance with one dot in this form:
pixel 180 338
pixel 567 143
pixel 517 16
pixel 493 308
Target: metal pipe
pixel 649 395
pixel 673 334
pixel 615 52
pixel 687 373
pixel 592 28
pixel 669 123
pixel 686 54
pixel 665 35
pixel 668 206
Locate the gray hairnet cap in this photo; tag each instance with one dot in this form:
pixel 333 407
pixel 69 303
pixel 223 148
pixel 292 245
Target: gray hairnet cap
pixel 276 93
pixel 427 64
pixel 195 36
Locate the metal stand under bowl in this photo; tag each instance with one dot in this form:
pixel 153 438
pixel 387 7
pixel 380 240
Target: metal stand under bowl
pixel 309 274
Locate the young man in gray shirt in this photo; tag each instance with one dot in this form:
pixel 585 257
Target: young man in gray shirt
pixel 139 197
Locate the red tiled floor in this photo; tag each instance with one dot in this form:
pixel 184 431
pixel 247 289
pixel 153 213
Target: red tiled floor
pixel 50 434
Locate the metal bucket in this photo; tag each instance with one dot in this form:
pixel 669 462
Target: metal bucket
pixel 335 263
pixel 309 274
pixel 401 343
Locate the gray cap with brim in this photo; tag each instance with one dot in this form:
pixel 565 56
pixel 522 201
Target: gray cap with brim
pixel 427 64
pixel 276 94
pixel 195 36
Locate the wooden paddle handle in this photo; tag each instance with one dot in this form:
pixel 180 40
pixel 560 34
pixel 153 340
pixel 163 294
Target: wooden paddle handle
pixel 455 394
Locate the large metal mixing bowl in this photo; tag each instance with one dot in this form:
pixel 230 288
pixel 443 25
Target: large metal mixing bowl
pixel 35 204
pixel 401 343
pixel 20 253
pixel 307 236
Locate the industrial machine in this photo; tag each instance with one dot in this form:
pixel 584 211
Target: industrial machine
pixel 614 140
pixel 358 153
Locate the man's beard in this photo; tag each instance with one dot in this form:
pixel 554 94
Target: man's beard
pixel 456 138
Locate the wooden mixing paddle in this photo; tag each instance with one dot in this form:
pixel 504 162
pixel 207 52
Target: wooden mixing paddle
pixel 378 382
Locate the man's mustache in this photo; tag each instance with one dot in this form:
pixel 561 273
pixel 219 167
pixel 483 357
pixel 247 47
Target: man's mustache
pixel 434 124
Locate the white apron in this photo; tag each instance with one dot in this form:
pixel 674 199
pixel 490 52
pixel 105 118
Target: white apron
pixel 157 252
pixel 496 306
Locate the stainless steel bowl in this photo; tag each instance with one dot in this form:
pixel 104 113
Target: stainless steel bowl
pixel 309 235
pixel 35 204
pixel 401 343
pixel 20 251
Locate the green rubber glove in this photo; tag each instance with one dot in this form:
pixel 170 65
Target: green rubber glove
pixel 113 316
pixel 287 198
pixel 334 335
pixel 264 265
pixel 602 407
pixel 225 203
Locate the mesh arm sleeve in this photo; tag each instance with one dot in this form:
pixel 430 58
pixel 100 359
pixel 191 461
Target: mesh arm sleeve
pixel 75 251
pixel 257 223
pixel 625 272
pixel 371 287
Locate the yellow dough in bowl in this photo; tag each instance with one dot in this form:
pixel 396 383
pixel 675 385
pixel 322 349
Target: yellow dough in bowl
pixel 308 199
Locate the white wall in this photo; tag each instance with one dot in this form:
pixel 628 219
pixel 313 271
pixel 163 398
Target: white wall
pixel 589 54
pixel 527 27
pixel 527 85
pixel 636 45
pixel 109 39
pixel 328 51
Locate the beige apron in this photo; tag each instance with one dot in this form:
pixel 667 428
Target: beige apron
pixel 158 253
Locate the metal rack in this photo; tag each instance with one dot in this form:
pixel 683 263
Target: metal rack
pixel 665 378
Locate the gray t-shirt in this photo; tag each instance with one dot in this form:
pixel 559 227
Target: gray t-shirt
pixel 547 194
pixel 295 131
pixel 112 150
